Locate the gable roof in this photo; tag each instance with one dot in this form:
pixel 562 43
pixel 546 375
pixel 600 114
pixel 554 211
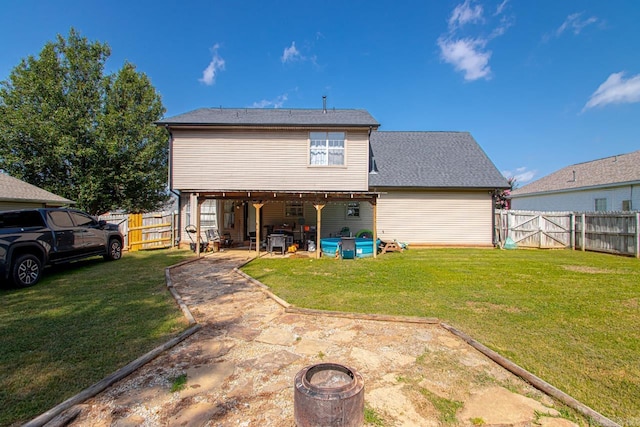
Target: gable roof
pixel 620 169
pixel 14 190
pixel 433 160
pixel 271 117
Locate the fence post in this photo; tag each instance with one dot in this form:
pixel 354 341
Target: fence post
pixel 584 233
pixel 572 231
pixel 540 233
pixel 637 234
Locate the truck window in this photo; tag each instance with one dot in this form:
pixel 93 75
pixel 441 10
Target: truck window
pixel 82 220
pixel 60 219
pixel 22 219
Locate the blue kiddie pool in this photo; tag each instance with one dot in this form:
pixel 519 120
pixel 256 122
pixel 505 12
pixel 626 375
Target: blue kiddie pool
pixel 330 245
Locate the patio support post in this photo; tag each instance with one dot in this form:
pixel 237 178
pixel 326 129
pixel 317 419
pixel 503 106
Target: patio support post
pixel 198 210
pixel 258 206
pixel 375 228
pixel 319 208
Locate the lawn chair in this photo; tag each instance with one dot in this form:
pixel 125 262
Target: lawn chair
pixel 191 232
pixel 213 238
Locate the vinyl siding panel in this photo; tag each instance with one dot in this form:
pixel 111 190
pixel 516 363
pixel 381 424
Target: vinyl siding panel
pixel 579 201
pixel 263 160
pixel 7 206
pixel 436 217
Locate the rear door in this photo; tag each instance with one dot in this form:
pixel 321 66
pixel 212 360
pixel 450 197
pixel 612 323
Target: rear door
pixel 93 236
pixel 69 241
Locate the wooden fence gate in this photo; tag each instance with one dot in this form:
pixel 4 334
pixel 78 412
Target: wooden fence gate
pixel 152 230
pixel 611 232
pixel 547 230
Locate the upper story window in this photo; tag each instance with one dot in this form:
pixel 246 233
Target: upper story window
pixel 601 205
pixel 326 149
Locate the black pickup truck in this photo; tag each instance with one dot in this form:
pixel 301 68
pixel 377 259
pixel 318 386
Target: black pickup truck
pixel 30 239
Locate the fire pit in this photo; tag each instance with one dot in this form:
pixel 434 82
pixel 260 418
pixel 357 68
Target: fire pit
pixel 328 394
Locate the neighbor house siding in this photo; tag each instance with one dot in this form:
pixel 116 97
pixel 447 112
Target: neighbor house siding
pixel 5 206
pixel 579 200
pixel 264 159
pixel 436 217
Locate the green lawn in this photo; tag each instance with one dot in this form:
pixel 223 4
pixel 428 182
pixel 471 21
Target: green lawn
pixel 572 318
pixel 81 323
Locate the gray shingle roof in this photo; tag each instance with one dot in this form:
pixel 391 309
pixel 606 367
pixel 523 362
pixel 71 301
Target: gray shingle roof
pixel 433 160
pixel 14 190
pixel 623 168
pixel 271 117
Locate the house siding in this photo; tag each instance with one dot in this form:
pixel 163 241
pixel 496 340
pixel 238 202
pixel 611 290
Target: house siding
pixel 436 217
pixel 579 200
pixel 265 159
pixel 6 206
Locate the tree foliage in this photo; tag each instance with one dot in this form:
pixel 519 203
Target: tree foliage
pixel 71 129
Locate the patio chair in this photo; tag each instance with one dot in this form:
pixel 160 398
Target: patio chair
pixel 252 239
pixel 213 238
pixel 278 241
pixel 345 232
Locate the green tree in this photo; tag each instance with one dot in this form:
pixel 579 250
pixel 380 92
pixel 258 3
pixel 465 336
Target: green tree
pixel 67 127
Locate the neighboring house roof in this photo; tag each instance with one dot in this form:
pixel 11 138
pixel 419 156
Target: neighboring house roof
pixel 433 160
pixel 271 117
pixel 14 190
pixel 614 170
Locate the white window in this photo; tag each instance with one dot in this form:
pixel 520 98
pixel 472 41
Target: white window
pixel 326 149
pixel 294 209
pixel 626 205
pixel 353 210
pixel 601 205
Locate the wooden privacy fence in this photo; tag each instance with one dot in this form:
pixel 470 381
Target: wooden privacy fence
pixel 612 232
pixel 152 230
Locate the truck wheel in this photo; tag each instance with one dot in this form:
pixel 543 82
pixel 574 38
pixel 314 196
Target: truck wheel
pixel 26 271
pixel 114 251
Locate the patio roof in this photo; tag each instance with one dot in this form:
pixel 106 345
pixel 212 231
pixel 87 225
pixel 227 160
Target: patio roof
pixel 282 196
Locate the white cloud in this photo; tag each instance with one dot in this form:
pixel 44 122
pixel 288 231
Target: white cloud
pixel 216 64
pixel 615 90
pixel 465 13
pixel 291 53
pixel 501 7
pixel 275 103
pixel 575 23
pixel 521 175
pixel 467 55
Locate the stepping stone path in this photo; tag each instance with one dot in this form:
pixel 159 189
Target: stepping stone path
pixel 241 365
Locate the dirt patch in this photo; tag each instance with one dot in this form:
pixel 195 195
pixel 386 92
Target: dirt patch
pixel 587 269
pixel 484 307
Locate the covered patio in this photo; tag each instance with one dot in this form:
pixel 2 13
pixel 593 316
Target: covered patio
pixel 258 199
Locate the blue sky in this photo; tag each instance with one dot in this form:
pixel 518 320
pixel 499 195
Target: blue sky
pixel 540 84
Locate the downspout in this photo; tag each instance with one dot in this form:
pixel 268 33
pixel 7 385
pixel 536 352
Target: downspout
pixel 494 196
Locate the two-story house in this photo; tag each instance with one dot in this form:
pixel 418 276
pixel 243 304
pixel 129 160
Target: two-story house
pixel 323 172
